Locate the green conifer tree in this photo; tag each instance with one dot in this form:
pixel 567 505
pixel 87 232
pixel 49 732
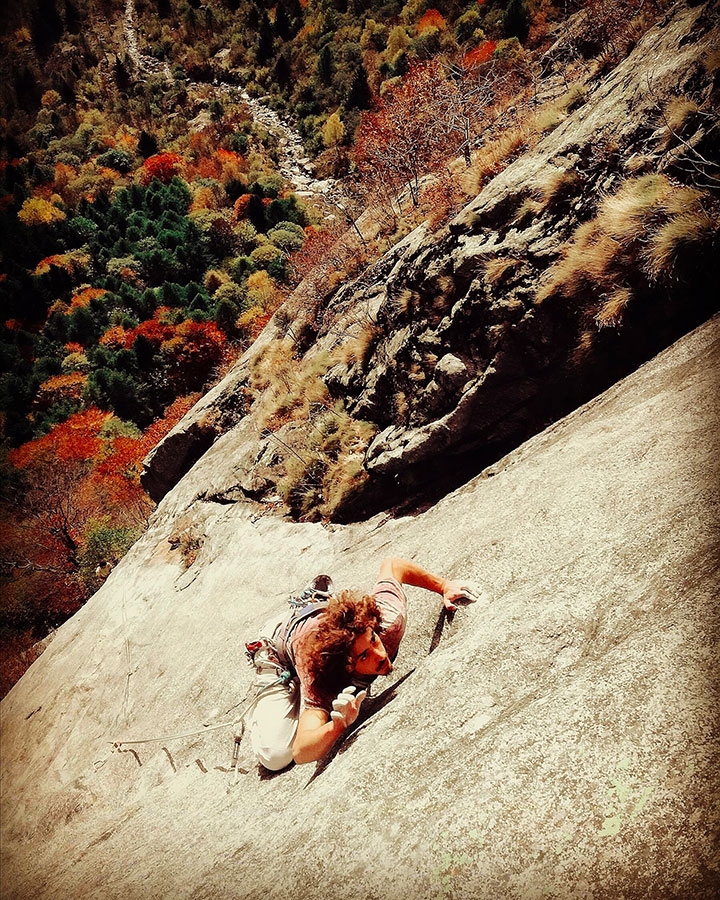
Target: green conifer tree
pixel 359 94
pixel 325 66
pixel 264 42
pixel 516 20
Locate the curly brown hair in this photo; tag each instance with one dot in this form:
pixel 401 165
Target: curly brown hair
pixel 348 615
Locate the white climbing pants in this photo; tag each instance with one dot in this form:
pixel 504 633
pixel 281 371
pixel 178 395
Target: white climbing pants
pixel 274 718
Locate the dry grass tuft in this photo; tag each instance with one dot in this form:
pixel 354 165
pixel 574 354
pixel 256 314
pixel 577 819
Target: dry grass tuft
pixel 444 197
pixel 406 301
pixel 322 474
pixel 611 312
pixel 401 407
pixel 680 118
pixel 529 209
pixel 584 347
pixel 677 238
pixel 493 157
pixel 292 387
pixel 646 234
pixel 711 61
pixel 548 119
pixel 554 113
pixel 680 113
pixel 357 346
pixel 322 445
pixel 559 188
pixel 497 268
pixel 625 215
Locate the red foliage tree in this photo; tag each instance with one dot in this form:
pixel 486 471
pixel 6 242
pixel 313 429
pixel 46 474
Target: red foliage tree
pixel 153 330
pixel 163 166
pixel 192 353
pixel 405 136
pixel 315 248
pixel 75 440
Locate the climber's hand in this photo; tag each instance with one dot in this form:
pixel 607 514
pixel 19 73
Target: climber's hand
pixel 346 706
pixel 459 593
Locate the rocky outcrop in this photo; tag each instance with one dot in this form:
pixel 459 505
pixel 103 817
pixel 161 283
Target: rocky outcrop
pixel 476 342
pixel 560 740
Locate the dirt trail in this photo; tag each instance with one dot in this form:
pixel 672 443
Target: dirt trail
pixel 142 62
pixel 294 164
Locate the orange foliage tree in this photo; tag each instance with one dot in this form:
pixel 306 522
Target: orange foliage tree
pixel 44 526
pixel 117 475
pixel 74 502
pixel 156 432
pixel 480 54
pixel 84 472
pixel 85 297
pixel 405 136
pixel 431 19
pixel 241 206
pixel 60 387
pixel 218 163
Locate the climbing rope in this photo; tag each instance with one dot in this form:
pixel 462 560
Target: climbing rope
pixel 206 729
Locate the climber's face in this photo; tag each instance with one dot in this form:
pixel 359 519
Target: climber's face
pixel 369 656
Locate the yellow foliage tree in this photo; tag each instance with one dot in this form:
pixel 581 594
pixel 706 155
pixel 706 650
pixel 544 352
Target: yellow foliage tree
pixel 261 289
pixel 51 100
pixel 333 131
pixel 398 41
pixel 36 211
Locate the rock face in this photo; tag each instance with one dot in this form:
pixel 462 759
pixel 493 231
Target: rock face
pixel 474 341
pixel 560 741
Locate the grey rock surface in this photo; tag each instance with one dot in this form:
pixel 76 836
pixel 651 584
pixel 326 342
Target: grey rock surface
pixel 560 741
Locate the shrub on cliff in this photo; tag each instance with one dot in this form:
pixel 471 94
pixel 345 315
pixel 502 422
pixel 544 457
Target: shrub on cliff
pixel 647 241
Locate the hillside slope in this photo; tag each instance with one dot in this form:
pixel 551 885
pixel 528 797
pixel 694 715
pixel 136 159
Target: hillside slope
pixel 560 741
pixel 591 251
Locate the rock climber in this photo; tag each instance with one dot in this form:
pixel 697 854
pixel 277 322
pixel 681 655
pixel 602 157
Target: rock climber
pixel 331 651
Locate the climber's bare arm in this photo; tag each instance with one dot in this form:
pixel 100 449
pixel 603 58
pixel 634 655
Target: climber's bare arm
pixel 318 730
pixel 316 734
pixel 407 572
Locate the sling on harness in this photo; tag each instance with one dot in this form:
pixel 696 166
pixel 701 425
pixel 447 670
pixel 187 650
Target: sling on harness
pixel 309 602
